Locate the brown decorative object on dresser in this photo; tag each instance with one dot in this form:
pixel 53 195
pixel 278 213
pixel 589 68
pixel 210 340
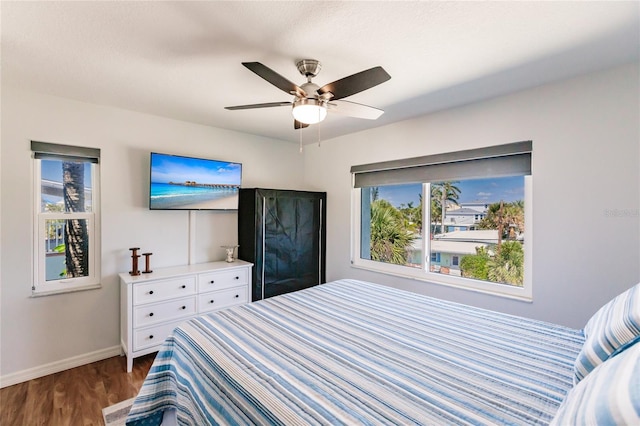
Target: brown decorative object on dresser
pixel 134 261
pixel 146 263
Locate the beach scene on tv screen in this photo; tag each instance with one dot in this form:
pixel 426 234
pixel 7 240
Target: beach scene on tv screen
pixel 186 183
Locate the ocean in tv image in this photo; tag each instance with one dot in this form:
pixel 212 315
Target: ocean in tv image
pixel 193 183
pixel 169 196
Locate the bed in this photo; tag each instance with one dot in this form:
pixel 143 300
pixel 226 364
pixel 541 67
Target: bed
pixel 353 352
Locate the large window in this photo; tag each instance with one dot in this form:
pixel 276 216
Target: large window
pixel 459 219
pixel 66 218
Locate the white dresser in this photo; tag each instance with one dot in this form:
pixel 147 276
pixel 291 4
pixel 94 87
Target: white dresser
pixel 152 305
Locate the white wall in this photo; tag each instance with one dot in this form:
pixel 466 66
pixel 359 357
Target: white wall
pixel 36 332
pixel 586 157
pixel 585 135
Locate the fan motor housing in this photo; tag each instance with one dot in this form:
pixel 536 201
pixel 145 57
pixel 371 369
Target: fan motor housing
pixel 311 89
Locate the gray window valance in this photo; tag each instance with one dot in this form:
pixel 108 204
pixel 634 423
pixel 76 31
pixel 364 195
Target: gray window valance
pixel 52 151
pixel 512 159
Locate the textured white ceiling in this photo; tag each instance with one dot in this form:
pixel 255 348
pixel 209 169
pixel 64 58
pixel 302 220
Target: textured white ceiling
pixel 183 59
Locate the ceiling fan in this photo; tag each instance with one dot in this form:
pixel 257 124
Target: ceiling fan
pixel 312 102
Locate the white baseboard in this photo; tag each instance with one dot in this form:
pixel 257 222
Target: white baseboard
pixel 56 367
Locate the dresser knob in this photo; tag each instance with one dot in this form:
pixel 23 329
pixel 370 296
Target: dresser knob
pixel 184 307
pixel 151 337
pixel 212 281
pixel 237 295
pixel 237 278
pixel 184 286
pixel 211 301
pixel 151 314
pixel 151 292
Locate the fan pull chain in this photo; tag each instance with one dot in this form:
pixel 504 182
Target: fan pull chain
pixel 319 121
pixel 300 131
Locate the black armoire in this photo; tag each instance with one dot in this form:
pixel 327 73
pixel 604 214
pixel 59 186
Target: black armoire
pixel 283 234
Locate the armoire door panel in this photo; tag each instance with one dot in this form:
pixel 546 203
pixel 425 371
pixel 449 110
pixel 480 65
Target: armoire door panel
pixel 286 235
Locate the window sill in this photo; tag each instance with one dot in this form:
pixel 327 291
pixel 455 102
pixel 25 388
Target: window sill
pixel 42 293
pixel 469 285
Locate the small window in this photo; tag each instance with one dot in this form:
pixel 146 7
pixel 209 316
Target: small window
pixel 66 219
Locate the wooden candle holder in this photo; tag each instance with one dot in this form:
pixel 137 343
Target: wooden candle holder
pixel 146 263
pixel 134 261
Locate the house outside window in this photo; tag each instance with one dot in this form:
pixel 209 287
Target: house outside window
pixel 66 218
pixel 468 232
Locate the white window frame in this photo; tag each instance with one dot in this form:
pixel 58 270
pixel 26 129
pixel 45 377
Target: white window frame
pixel 40 286
pixel 524 293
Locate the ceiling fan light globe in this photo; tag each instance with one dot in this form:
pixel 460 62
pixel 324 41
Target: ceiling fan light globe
pixel 309 111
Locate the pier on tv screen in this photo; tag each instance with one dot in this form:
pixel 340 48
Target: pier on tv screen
pixel 188 183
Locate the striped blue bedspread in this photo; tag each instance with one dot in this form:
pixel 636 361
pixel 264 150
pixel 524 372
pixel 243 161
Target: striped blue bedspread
pixel 351 352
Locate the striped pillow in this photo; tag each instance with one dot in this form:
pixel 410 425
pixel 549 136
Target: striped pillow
pixel 611 330
pixel 609 395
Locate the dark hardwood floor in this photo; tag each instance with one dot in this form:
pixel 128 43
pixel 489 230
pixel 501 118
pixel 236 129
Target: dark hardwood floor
pixel 73 397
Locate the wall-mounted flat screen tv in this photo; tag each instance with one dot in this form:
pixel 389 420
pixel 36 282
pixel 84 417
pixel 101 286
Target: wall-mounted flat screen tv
pixel 188 183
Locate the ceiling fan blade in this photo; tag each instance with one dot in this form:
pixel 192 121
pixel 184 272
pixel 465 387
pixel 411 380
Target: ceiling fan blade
pixel 252 106
pixel 353 109
pixel 298 125
pixel 274 78
pixel 355 83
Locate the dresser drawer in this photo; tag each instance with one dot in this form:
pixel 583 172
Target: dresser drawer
pixel 148 314
pixel 222 279
pixel 221 299
pixel 152 336
pixel 162 290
